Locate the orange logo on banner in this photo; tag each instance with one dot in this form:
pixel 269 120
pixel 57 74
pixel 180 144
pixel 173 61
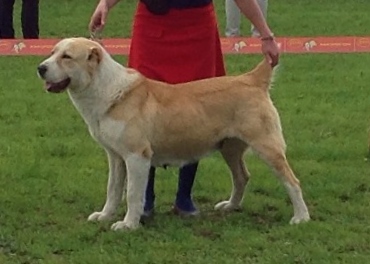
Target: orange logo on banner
pixel 363 42
pixel 4 45
pixel 295 43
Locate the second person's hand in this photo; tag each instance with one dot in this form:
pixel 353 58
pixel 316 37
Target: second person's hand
pixel 98 18
pixel 271 50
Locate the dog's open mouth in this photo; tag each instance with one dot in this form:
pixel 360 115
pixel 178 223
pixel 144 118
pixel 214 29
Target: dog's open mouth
pixel 57 87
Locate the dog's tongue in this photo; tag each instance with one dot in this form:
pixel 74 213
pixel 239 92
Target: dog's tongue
pixel 57 87
pixel 48 85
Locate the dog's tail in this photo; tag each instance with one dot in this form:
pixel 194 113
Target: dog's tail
pixel 262 75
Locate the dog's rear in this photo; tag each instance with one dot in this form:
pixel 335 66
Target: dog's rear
pixel 258 128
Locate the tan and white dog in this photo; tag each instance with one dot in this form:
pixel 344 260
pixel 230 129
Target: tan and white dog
pixel 141 122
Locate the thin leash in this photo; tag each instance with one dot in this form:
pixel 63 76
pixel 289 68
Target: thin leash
pixel 96 36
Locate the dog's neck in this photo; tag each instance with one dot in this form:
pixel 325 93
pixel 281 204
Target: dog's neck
pixel 94 101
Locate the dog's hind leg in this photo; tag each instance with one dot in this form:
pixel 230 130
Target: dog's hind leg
pixel 115 187
pixel 271 148
pixel 137 180
pixel 232 151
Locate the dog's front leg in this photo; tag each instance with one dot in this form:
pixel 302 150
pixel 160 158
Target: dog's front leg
pixel 137 180
pixel 115 187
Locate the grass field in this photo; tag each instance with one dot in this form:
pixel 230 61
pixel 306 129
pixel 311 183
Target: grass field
pixel 52 174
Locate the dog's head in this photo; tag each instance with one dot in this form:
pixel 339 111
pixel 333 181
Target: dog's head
pixel 72 64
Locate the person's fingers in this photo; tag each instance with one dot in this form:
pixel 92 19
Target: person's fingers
pixel 94 22
pixel 271 52
pixel 96 25
pixel 98 19
pixel 274 59
pixel 268 58
pixel 91 25
pixel 103 19
pixel 98 28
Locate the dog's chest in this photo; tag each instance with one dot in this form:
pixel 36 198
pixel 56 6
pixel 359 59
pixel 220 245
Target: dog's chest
pixel 102 128
pixel 107 132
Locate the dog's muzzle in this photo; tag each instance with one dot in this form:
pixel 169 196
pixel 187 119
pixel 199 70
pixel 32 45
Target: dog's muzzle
pixel 52 87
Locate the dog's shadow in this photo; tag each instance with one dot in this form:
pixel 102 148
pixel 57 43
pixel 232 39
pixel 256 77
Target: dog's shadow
pixel 209 222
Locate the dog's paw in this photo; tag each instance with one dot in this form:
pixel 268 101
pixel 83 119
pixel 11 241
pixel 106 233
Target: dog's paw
pixel 227 206
pixel 297 219
pixel 99 216
pixel 125 225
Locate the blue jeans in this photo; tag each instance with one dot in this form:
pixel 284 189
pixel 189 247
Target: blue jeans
pixel 185 184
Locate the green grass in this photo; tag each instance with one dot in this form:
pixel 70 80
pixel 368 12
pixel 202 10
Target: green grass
pixel 53 175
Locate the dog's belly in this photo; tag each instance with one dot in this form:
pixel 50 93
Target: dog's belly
pixel 164 161
pixel 178 155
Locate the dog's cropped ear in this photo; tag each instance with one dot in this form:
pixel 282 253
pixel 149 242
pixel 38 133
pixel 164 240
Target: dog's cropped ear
pixel 95 54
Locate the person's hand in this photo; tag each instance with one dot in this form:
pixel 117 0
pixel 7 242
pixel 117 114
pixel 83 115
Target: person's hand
pixel 97 21
pixel 271 50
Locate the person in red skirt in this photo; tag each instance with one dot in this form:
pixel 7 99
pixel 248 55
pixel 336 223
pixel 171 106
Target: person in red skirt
pixel 177 41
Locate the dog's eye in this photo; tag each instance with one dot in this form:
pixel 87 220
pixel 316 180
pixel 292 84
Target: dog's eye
pixel 66 56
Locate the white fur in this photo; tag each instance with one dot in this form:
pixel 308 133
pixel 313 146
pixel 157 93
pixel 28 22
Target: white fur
pixel 300 209
pixel 116 181
pixel 92 102
pixel 137 179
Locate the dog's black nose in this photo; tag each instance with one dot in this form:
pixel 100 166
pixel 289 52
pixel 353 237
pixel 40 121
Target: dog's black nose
pixel 42 70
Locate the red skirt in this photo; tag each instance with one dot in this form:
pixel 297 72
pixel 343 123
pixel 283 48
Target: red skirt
pixel 181 46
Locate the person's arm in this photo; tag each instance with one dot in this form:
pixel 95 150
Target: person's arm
pixel 109 3
pixel 97 21
pixel 252 11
